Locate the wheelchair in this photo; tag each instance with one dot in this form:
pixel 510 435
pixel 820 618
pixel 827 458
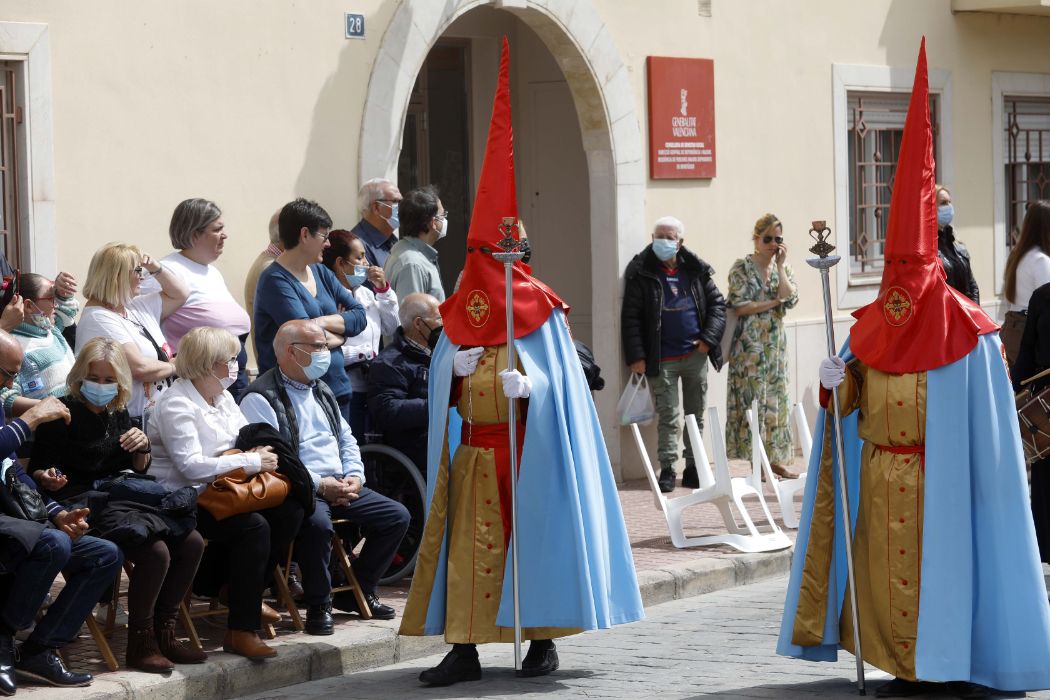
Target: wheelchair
pixel 389 472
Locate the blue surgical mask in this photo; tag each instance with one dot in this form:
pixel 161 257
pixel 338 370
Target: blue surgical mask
pixel 319 363
pixel 665 249
pixel 393 221
pixel 98 394
pixel 945 215
pixel 358 278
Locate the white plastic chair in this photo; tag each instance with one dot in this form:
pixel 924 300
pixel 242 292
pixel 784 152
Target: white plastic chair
pixel 784 489
pixel 805 438
pixel 718 489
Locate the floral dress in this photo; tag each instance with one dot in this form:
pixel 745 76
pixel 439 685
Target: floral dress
pixel 758 364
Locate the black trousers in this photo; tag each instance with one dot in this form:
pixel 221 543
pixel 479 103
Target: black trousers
pixel 249 546
pixel 383 522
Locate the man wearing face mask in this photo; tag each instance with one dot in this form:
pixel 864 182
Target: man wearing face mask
pixel 672 321
pixel 50 307
pixel 292 399
pixel 953 254
pixel 397 381
pixel 412 265
pixel 378 202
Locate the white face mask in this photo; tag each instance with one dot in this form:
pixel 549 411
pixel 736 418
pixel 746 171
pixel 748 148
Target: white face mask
pixel 232 372
pixel 444 228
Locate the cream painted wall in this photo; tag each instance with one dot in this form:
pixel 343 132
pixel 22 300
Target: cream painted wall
pixel 253 102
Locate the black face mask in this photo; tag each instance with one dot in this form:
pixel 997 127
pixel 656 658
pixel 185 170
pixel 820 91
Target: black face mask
pixel 435 333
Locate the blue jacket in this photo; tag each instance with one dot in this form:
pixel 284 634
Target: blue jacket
pixel 280 297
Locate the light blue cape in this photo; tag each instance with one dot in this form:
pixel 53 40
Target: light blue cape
pixel 983 612
pixel 575 563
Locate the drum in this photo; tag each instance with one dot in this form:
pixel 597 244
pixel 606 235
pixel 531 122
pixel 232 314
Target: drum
pixel 1033 414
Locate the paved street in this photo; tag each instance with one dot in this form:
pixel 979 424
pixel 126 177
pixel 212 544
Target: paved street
pixel 715 645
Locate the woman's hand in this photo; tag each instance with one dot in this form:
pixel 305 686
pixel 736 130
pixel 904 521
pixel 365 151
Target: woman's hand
pixel 134 440
pixel 781 256
pixel 14 313
pixel 376 276
pixel 151 265
pixel 65 285
pixel 269 458
pixel 50 479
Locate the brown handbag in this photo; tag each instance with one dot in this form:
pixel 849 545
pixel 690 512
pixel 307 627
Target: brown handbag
pixel 236 492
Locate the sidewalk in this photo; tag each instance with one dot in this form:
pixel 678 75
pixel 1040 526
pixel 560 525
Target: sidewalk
pixel 664 573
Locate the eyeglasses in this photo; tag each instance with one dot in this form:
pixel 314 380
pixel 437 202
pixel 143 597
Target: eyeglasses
pixel 769 239
pixel 322 236
pixel 141 271
pixel 8 375
pixel 315 347
pixel 389 202
pixel 443 216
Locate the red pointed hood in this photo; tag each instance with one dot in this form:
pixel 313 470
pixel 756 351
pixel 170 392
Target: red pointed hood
pixel 918 322
pixel 476 314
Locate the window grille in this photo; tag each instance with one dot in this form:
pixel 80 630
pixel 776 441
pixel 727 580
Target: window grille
pixel 876 125
pixel 1027 157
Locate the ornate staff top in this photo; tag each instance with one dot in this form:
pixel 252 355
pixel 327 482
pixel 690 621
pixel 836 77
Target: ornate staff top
pixel 510 245
pixel 820 233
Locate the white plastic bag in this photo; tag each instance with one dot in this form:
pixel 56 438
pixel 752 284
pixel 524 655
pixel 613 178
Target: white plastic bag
pixel 636 405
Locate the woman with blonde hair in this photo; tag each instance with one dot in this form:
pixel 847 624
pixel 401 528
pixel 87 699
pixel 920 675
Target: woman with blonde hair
pixel 115 310
pixel 194 427
pixel 761 290
pixel 100 450
pixel 1027 269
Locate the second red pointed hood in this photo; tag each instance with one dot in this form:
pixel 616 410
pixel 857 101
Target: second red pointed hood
pixel 918 322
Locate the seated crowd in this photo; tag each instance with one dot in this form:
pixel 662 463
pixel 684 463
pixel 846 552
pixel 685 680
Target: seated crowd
pixel 120 425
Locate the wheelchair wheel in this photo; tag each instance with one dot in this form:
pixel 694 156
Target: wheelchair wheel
pixel 389 472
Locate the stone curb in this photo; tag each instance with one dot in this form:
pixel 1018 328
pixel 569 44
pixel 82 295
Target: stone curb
pixel 360 647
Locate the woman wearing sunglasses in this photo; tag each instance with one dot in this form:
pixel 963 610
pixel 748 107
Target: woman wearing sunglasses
pixel 761 290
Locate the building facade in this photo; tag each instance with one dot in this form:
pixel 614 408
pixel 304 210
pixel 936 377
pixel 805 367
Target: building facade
pixel 113 112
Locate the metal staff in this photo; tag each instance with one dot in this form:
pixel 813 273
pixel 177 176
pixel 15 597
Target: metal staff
pixel 824 262
pixel 511 254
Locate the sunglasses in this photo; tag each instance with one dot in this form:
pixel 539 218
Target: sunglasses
pixel 769 239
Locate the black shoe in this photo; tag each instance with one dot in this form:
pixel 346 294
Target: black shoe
pixel 460 664
pixel 690 479
pixel 666 480
pixel 8 682
pixel 319 619
pixel 541 660
pixel 47 667
pixel 295 586
pixel 966 689
pixel 348 603
pixel 900 688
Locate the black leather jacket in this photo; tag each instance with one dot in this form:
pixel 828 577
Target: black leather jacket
pixel 956 261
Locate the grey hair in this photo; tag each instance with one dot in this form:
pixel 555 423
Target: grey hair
pixel 413 306
pixel 670 222
pixel 370 192
pixel 190 217
pixel 275 230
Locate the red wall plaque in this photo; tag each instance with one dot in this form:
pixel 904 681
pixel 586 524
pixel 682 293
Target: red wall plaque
pixel 681 117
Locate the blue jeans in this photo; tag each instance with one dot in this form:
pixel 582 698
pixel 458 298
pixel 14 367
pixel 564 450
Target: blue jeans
pixel 383 522
pixel 90 566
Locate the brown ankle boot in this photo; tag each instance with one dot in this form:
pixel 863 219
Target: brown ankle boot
pixel 143 654
pixel 173 648
pixel 247 644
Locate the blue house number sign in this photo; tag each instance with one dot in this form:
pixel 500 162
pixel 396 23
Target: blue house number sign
pixel 355 26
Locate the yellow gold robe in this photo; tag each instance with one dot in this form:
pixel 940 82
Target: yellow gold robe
pixel 476 550
pixel 887 540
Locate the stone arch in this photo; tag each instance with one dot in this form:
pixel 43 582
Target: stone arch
pixel 576 36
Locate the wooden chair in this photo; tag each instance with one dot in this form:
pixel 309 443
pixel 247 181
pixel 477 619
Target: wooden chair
pixel 342 558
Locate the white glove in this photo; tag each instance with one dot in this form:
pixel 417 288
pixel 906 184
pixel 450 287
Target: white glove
pixel 832 372
pixel 466 361
pixel 515 384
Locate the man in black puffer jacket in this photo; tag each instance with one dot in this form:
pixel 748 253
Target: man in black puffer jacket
pixel 672 322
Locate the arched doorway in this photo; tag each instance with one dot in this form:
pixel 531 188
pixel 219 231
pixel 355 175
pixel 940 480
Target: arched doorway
pixel 607 140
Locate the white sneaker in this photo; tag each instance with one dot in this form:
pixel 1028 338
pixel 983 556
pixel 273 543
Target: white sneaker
pixel 102 615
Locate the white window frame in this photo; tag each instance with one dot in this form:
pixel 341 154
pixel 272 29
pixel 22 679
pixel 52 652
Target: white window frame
pixel 1003 84
pixel 846 78
pixel 29 43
